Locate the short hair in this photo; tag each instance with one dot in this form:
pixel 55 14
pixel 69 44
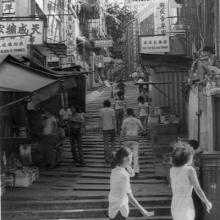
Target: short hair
pixel 121 154
pixel 181 156
pixel 194 144
pixel 107 103
pixel 130 111
pixel 209 49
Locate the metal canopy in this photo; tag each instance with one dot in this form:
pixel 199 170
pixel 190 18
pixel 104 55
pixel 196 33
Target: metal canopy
pixel 57 48
pixel 14 77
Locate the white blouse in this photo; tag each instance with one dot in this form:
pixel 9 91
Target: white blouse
pixel 119 188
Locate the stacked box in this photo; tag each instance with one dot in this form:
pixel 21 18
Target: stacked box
pixel 9 180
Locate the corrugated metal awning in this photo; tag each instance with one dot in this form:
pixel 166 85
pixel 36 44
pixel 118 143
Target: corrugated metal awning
pixel 14 77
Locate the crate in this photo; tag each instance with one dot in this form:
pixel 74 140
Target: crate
pixel 23 180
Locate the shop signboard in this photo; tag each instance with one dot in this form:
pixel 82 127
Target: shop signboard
pixel 31 28
pixel 161 17
pixel 103 43
pixel 8 8
pixel 14 46
pixel 154 44
pixel 154 19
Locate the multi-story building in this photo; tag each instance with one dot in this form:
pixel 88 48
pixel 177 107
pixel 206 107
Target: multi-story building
pixel 130 47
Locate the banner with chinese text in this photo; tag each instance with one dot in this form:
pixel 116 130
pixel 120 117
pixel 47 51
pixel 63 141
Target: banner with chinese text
pixel 31 28
pixel 154 44
pixel 13 46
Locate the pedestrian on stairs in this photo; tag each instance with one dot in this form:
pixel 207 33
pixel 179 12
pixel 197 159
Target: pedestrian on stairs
pixel 131 128
pixel 107 128
pixel 120 108
pixel 120 190
pixel 183 180
pixel 76 124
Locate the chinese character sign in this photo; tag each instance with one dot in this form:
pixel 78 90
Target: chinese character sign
pixel 161 18
pixel 8 8
pixel 33 29
pixel 155 45
pixel 103 43
pixel 13 46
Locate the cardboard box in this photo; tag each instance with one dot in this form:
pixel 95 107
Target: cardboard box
pixel 23 181
pixel 9 180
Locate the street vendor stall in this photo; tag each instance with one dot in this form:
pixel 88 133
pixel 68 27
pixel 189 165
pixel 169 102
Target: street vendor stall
pixel 19 85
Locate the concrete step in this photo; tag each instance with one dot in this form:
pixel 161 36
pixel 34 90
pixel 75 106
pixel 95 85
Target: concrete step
pixel 76 204
pixel 130 218
pixel 77 213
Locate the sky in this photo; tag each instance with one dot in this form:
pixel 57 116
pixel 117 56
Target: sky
pixel 40 3
pixel 116 1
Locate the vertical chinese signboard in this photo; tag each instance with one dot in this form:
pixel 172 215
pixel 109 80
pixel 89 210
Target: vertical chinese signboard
pixel 8 8
pixel 15 35
pixel 161 18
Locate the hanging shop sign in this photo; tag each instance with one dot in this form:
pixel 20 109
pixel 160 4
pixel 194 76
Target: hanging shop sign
pixel 154 19
pixel 31 28
pixel 161 18
pixel 107 59
pixel 8 8
pixel 14 46
pixel 103 43
pixel 154 44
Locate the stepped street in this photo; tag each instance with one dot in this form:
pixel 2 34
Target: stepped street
pixel 69 192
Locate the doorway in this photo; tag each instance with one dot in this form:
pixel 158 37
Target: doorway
pixel 217 123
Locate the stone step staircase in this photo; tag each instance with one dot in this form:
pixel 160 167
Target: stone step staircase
pixel 70 193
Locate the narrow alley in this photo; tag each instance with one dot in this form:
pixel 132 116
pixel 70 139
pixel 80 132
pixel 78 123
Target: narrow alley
pixel 69 192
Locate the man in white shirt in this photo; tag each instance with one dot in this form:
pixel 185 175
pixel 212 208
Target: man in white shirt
pixel 50 139
pixel 131 128
pixel 107 127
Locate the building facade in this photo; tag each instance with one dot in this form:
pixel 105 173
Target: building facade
pixel 130 47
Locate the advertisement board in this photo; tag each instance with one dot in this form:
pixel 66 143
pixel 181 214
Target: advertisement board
pixel 154 18
pixel 31 28
pixel 14 46
pixel 103 43
pixel 154 44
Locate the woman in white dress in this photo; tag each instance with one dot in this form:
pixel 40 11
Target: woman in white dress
pixel 183 180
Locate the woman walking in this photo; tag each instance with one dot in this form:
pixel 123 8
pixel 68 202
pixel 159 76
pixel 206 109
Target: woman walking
pixel 143 111
pixel 120 189
pixel 183 180
pixel 120 108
